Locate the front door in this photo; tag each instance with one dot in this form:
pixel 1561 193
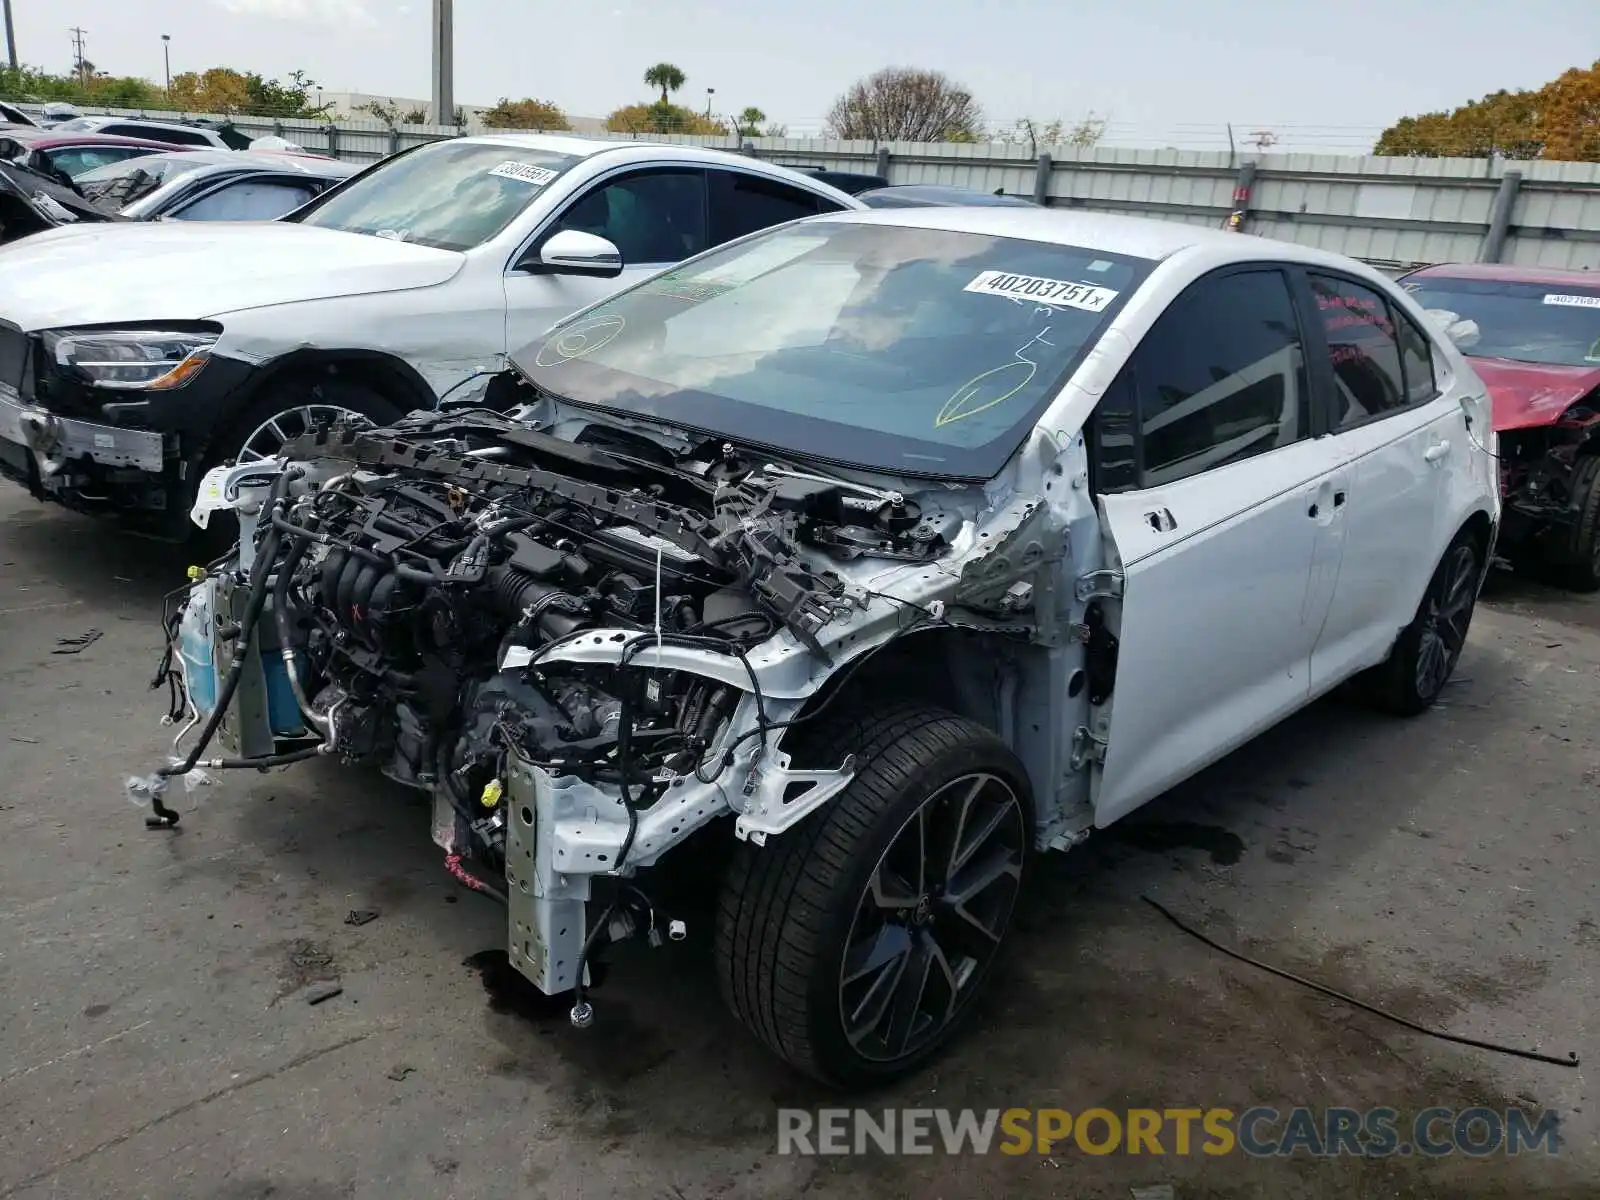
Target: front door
pixel 1215 513
pixel 655 216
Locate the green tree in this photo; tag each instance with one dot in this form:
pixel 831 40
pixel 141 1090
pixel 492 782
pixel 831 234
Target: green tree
pixel 290 98
pixel 662 118
pixel 749 122
pixel 1560 120
pixel 526 114
pixel 112 91
pixel 386 111
pixel 666 77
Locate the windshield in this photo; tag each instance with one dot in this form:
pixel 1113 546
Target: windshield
pixel 1526 322
pixel 120 184
pixel 913 351
pixel 452 195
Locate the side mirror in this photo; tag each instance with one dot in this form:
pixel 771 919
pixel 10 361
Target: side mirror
pixel 573 252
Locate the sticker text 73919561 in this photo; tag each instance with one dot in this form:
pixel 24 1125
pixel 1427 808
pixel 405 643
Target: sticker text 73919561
pixel 523 173
pixel 1060 293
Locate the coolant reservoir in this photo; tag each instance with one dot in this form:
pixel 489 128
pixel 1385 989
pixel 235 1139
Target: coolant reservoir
pixel 195 648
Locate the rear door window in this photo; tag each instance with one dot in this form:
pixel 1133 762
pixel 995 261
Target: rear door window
pixel 248 200
pixel 743 204
pixel 1366 351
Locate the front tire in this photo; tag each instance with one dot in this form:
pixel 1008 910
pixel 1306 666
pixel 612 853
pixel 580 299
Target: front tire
pixel 854 944
pixel 1427 650
pixel 1578 556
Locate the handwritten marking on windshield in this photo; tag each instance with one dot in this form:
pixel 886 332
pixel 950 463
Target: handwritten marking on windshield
pixel 584 336
pixel 1573 301
pixel 969 400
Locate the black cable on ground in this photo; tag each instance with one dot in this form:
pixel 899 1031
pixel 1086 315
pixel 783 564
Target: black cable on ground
pixel 1570 1061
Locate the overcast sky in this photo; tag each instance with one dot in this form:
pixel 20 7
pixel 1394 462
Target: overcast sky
pixel 1162 70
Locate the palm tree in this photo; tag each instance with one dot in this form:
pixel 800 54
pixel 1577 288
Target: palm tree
pixel 666 77
pixel 750 121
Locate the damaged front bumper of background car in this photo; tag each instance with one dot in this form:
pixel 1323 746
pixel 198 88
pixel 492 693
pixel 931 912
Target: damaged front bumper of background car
pixel 583 652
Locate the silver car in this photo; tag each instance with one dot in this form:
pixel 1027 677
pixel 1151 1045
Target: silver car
pixel 212 185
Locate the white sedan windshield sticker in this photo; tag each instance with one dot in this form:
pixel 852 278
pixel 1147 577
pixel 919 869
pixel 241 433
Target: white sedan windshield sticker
pixel 1060 293
pixel 1574 301
pixel 523 173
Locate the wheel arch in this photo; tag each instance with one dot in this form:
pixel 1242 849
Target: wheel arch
pixel 973 673
pixel 391 377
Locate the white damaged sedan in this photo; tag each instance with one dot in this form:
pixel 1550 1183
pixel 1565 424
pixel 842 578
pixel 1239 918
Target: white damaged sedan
pixel 902 545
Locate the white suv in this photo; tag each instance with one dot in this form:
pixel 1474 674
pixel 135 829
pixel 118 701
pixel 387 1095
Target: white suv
pixel 134 357
pixel 174 133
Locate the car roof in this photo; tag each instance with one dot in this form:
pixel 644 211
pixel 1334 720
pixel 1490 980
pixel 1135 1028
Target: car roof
pixel 633 150
pixel 1509 273
pixel 47 139
pixel 942 193
pixel 152 122
pixel 204 159
pixel 1137 237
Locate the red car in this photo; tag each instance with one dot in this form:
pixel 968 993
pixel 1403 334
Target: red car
pixel 1537 349
pixel 71 154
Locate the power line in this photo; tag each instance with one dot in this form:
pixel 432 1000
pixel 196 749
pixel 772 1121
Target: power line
pixel 77 54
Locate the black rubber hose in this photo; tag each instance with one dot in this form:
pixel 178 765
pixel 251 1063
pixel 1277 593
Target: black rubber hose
pixel 242 644
pixel 266 760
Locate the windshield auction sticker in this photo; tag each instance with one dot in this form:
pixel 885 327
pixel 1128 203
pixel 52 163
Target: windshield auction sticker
pixel 1574 301
pixel 1060 293
pixel 523 173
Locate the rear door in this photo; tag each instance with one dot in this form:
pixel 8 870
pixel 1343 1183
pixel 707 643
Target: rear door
pixel 1218 491
pixel 1398 432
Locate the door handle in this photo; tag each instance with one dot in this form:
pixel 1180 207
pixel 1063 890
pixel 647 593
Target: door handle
pixel 1161 520
pixel 1436 451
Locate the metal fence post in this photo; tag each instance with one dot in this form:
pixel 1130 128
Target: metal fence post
pixel 883 162
pixel 333 140
pixel 1494 242
pixel 1041 180
pixel 394 140
pixel 1243 186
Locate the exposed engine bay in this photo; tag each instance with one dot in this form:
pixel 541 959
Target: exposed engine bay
pixel 582 648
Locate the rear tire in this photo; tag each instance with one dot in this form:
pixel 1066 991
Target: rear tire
pixel 291 406
pixel 1427 650
pixel 854 944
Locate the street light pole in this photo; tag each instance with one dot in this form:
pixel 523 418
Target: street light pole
pixel 166 60
pixel 444 100
pixel 11 38
pixel 709 93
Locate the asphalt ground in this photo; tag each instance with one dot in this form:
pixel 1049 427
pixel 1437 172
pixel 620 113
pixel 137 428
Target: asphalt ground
pixel 156 1040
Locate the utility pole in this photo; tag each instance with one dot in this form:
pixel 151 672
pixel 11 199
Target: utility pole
pixel 11 38
pixel 166 60
pixel 444 62
pixel 77 54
